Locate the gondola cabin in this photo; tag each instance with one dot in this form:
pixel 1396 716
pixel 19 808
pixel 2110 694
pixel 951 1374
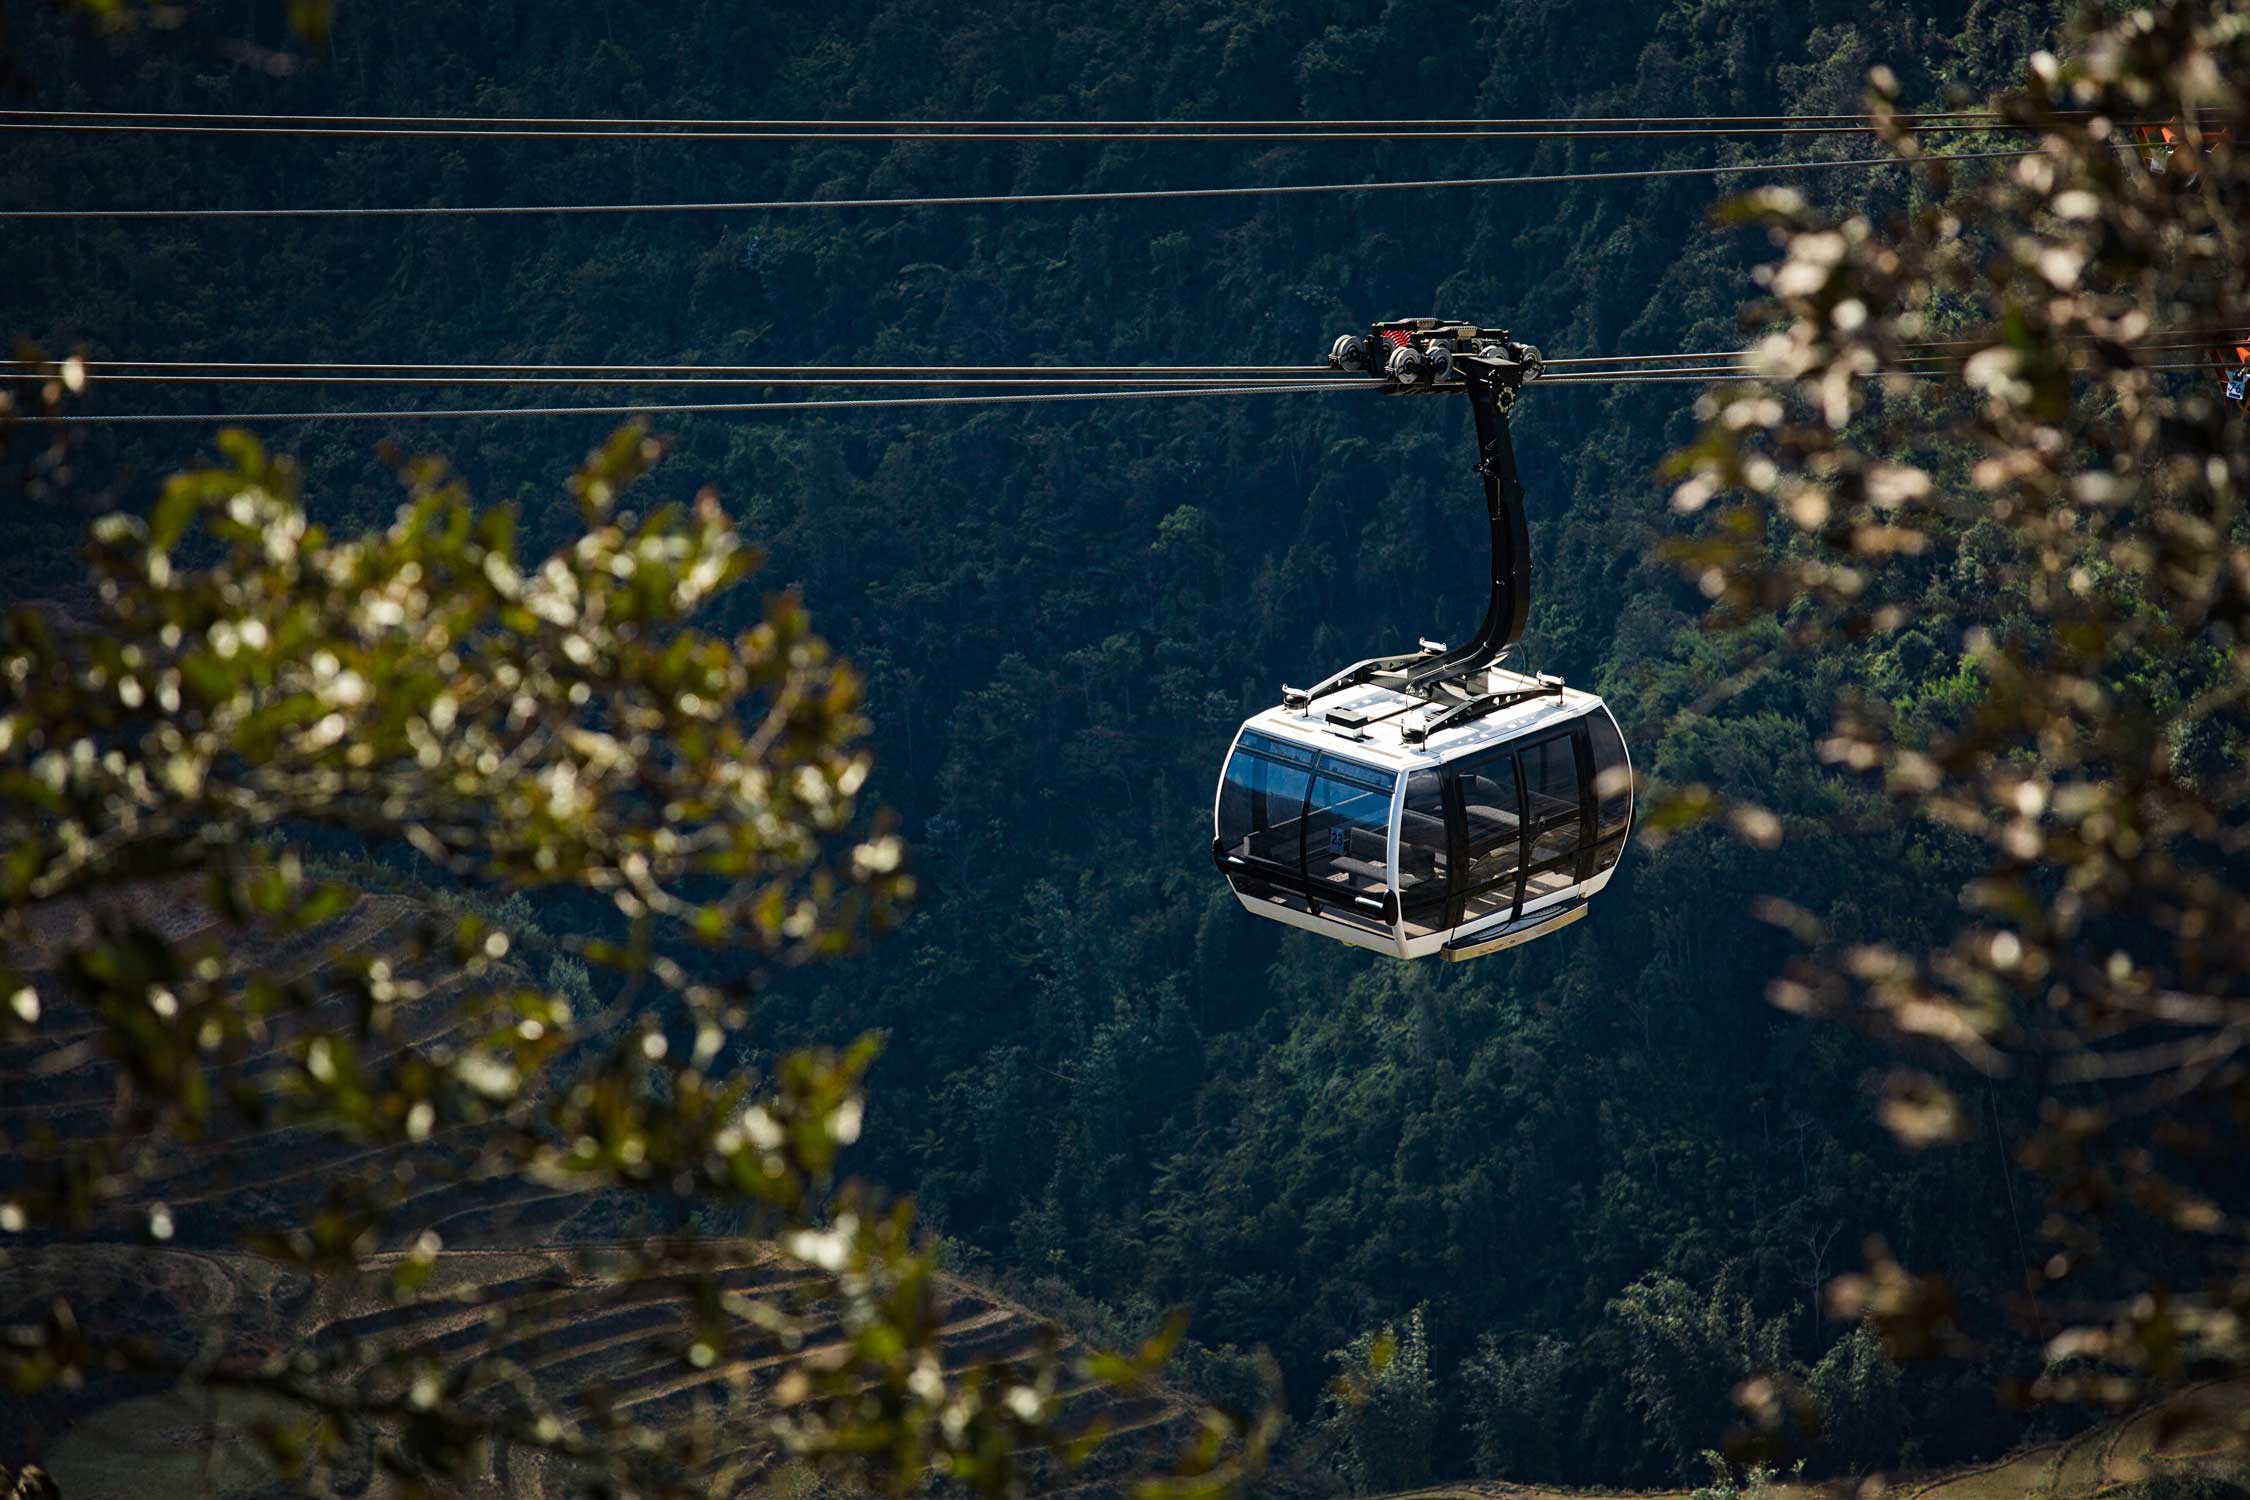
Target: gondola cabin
pixel 1430 801
pixel 1394 823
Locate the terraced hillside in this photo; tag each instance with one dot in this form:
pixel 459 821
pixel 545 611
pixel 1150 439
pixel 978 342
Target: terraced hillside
pixel 2185 1436
pixel 267 1178
pixel 568 1331
pixel 2195 1430
pixel 527 1275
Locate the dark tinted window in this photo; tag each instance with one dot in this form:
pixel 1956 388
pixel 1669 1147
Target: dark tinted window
pixel 1491 813
pixel 1551 791
pixel 1262 801
pixel 1424 859
pixel 1553 878
pixel 1348 830
pixel 1550 779
pixel 1267 745
pixel 1613 788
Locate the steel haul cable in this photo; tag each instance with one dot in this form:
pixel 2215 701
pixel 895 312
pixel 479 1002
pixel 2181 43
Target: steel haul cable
pixel 1217 371
pixel 235 377
pixel 1950 119
pixel 534 372
pixel 1630 376
pixel 672 408
pixel 1186 385
pixel 591 372
pixel 520 133
pixel 980 200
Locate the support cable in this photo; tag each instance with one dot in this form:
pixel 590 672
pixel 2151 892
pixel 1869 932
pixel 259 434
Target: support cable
pixel 1589 368
pixel 660 133
pixel 2174 338
pixel 1851 119
pixel 96 372
pixel 674 408
pixel 1748 372
pixel 984 200
pixel 2194 339
pixel 1592 377
pixel 1227 372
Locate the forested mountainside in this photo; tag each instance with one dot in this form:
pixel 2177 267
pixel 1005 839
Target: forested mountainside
pixel 529 1274
pixel 1606 1169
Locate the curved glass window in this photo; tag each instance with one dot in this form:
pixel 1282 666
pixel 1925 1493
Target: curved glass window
pixel 1262 801
pixel 1348 831
pixel 1492 822
pixel 1425 855
pixel 1314 830
pixel 1613 788
pixel 1555 809
pixel 1550 785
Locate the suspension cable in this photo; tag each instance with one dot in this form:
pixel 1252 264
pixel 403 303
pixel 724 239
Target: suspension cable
pixel 674 408
pixel 532 372
pixel 664 133
pixel 1586 369
pixel 2192 338
pixel 1291 378
pixel 998 199
pixel 238 377
pixel 1926 365
pixel 1631 376
pixel 1850 119
pixel 1227 372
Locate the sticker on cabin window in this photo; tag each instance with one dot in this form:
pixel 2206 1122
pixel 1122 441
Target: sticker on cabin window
pixel 1339 840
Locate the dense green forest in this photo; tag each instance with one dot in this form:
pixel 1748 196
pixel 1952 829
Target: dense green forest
pixel 1609 1175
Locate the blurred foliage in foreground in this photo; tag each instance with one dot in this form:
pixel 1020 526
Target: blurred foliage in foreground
pixel 309 20
pixel 1959 430
pixel 308 24
pixel 524 723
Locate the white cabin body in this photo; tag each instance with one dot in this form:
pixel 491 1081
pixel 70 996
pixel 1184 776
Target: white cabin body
pixel 1336 818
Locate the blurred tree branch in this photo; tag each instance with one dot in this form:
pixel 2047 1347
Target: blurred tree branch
pixel 2080 515
pixel 310 24
pixel 309 20
pixel 526 724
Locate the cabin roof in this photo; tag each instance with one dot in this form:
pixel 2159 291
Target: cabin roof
pixel 1382 741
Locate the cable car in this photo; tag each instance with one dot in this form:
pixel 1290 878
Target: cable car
pixel 2162 149
pixel 2160 146
pixel 1433 802
pixel 2232 361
